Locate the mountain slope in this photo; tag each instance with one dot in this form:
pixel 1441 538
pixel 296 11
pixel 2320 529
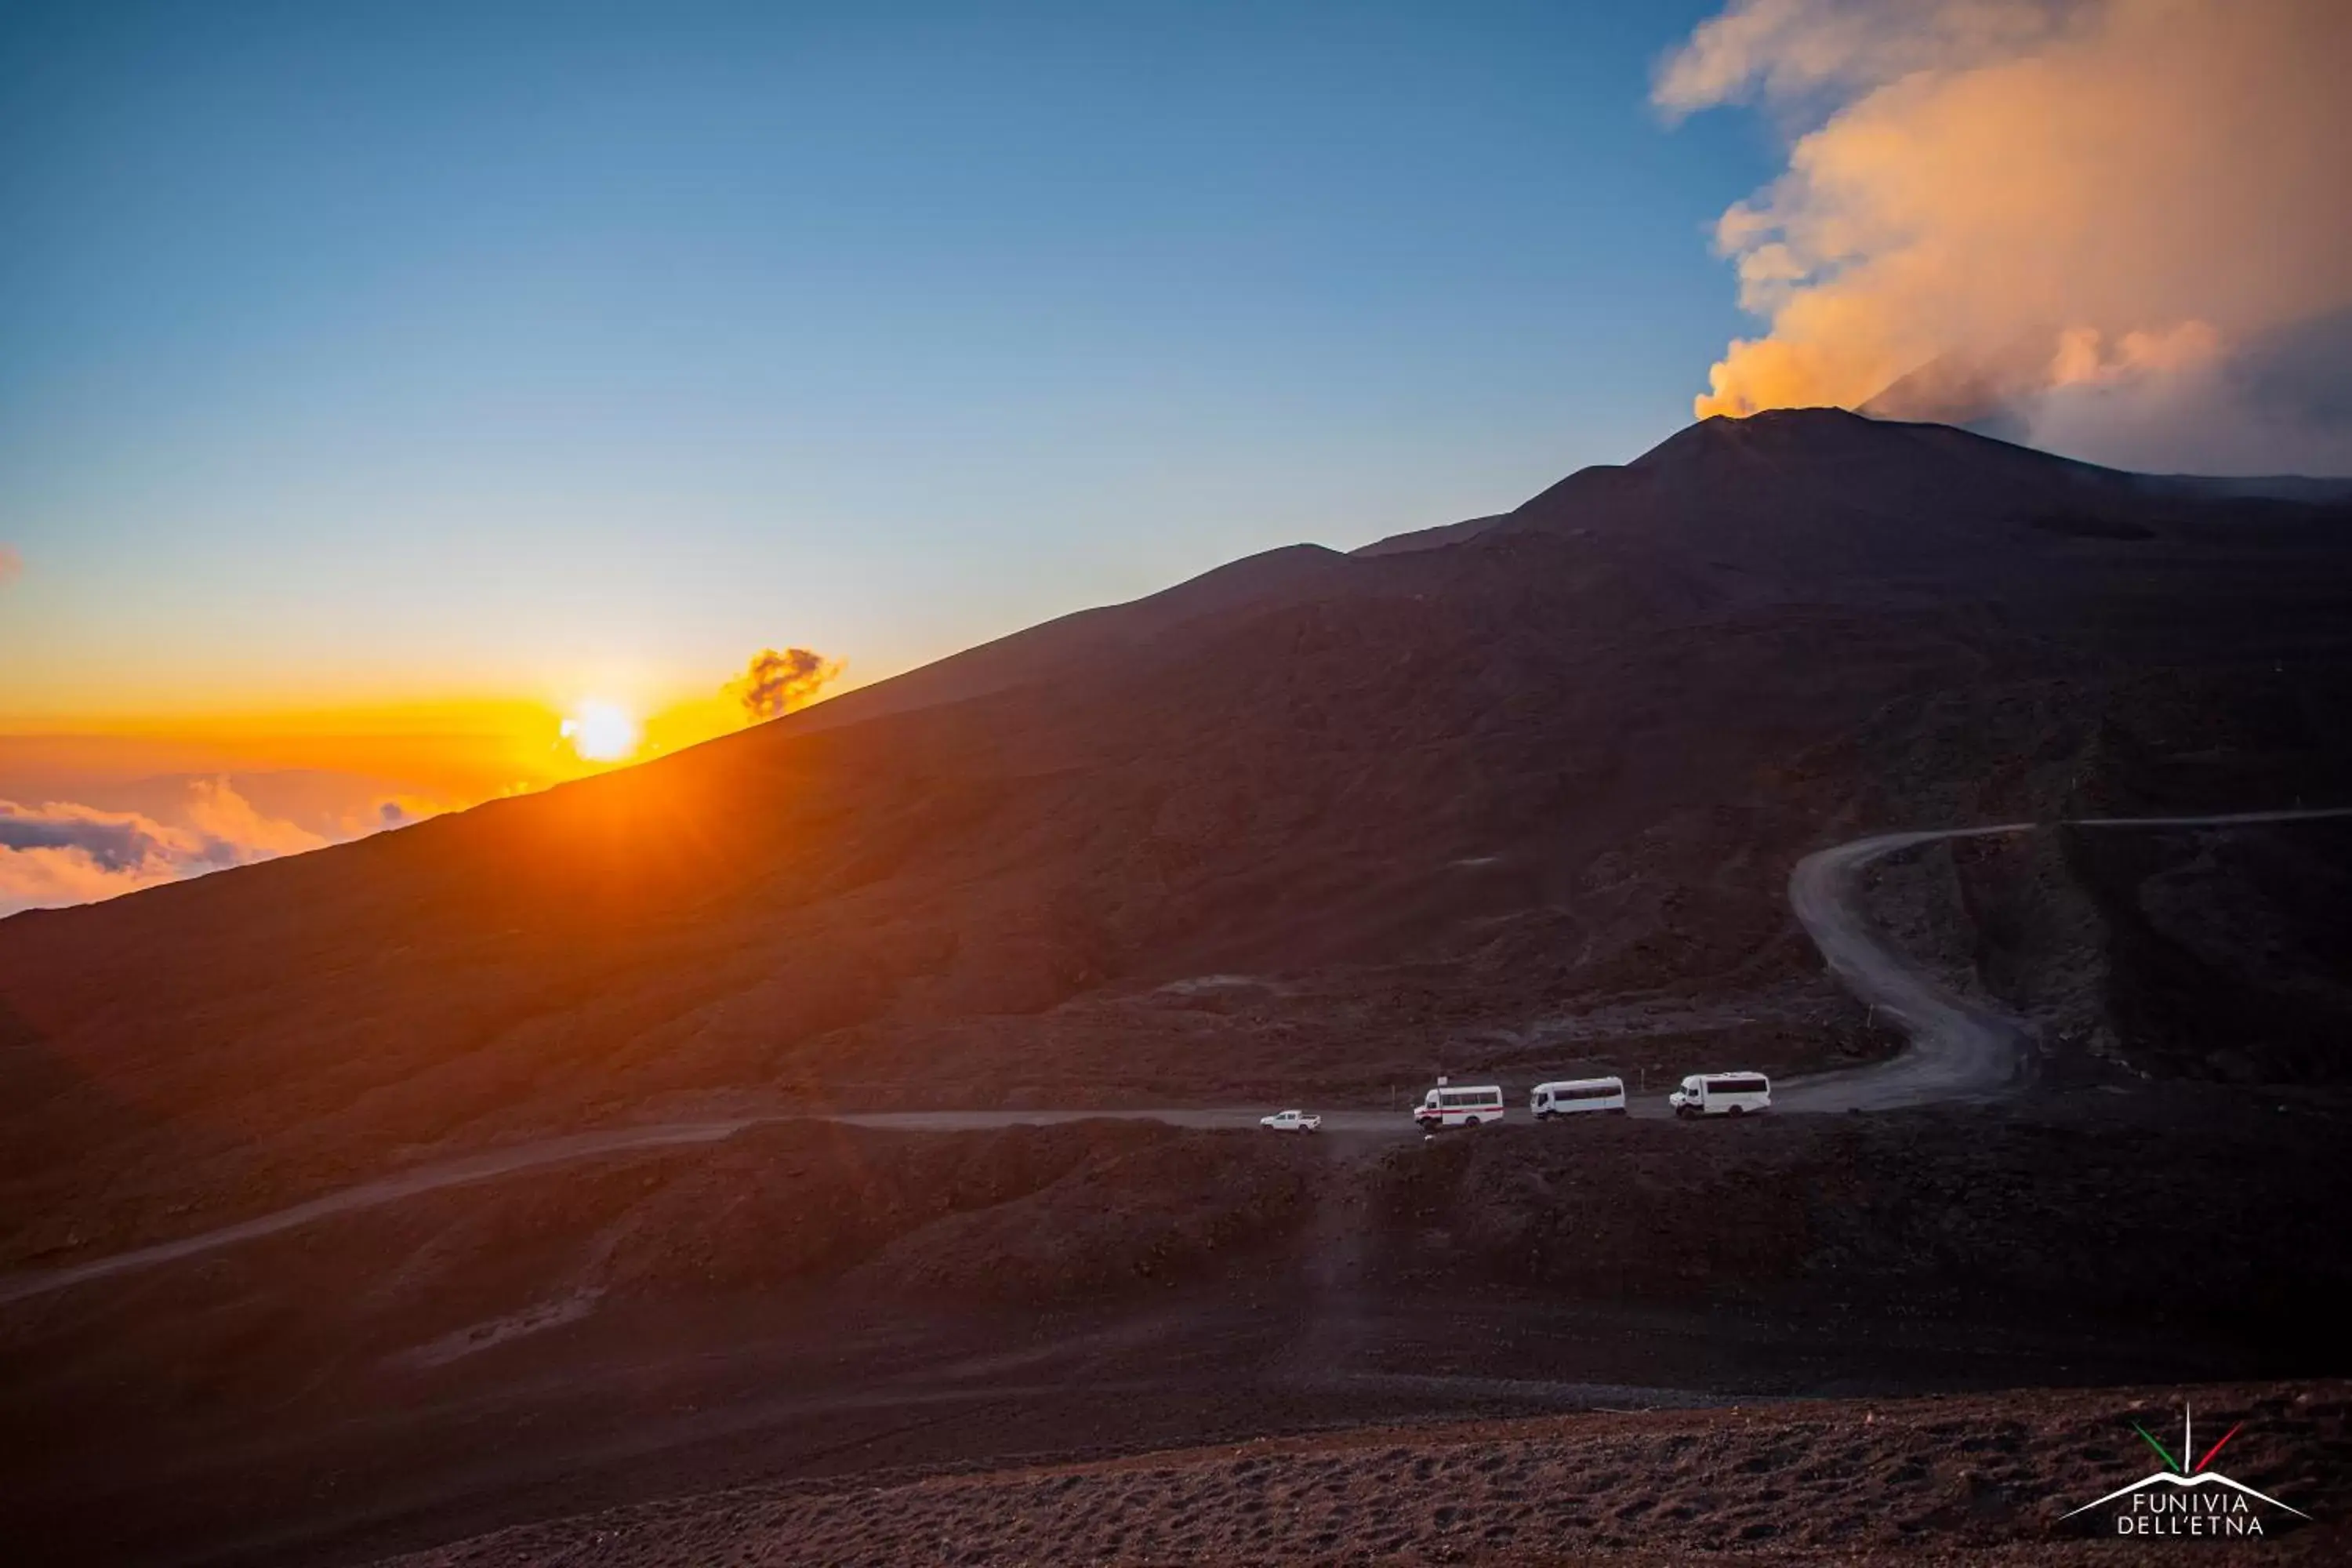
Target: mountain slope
pixel 1315 822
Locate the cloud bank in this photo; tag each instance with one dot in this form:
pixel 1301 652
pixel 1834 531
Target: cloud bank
pixel 2114 227
pixel 59 853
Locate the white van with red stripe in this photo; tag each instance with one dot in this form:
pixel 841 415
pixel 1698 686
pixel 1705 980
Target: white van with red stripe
pixel 1446 1106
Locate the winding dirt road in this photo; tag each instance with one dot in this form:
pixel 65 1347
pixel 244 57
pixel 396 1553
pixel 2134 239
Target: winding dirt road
pixel 1959 1051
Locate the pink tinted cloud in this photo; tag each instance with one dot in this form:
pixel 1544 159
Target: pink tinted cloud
pixel 2109 210
pixel 62 853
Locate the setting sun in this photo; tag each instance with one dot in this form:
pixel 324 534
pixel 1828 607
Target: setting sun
pixel 601 731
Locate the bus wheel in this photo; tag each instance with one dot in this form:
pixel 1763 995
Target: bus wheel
pixel 1469 1121
pixel 1738 1109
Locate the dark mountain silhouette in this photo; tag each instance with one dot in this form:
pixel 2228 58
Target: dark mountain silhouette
pixel 1312 821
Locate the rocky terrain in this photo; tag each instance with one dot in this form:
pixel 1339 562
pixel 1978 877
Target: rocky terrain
pixel 820 1302
pixel 1981 1481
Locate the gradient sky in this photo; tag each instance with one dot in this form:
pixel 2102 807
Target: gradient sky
pixel 360 354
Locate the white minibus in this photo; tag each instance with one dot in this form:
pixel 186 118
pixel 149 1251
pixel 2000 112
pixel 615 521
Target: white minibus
pixel 1722 1094
pixel 1446 1106
pixel 1576 1096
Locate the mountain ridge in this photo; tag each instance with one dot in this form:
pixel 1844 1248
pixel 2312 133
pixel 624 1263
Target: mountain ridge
pixel 1426 803
pixel 1802 437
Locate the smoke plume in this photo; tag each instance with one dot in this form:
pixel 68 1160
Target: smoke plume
pixel 12 566
pixel 776 683
pixel 2114 227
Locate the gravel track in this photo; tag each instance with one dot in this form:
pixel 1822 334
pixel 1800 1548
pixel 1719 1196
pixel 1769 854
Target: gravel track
pixel 1959 1051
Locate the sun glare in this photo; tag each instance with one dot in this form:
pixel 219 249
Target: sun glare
pixel 601 731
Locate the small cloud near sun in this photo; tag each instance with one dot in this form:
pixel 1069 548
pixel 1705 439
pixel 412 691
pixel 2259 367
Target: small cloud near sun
pixel 601 731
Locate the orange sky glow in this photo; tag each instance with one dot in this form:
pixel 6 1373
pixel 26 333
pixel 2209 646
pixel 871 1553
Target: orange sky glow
pixel 91 806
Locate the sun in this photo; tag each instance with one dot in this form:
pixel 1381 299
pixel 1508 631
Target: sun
pixel 601 731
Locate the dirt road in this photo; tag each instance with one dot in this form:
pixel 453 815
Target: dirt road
pixel 475 1168
pixel 1959 1051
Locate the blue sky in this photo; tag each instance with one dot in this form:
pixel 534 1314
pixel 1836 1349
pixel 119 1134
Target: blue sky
pixel 360 351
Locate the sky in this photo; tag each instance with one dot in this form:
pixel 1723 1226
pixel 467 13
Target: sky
pixel 406 405
pixel 376 354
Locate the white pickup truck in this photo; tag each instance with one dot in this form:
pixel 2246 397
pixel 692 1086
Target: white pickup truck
pixel 1291 1121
